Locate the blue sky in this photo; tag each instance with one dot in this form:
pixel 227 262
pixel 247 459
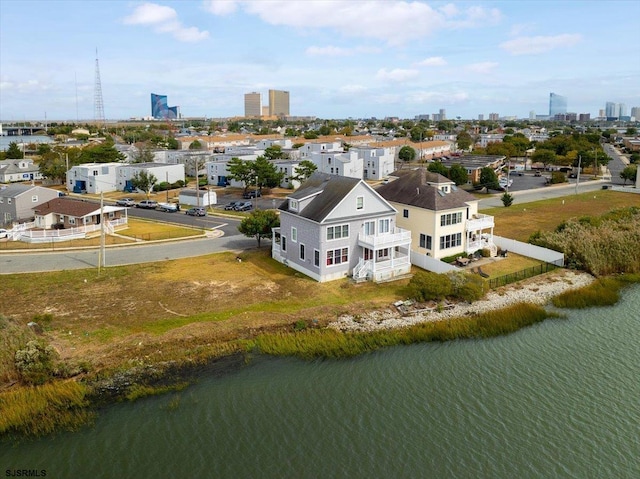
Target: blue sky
pixel 338 59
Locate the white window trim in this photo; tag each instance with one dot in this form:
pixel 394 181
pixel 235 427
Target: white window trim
pixel 294 234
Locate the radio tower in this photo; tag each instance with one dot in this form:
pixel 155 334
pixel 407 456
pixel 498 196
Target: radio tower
pixel 98 105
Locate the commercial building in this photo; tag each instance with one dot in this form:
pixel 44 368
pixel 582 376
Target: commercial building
pixel 252 104
pixel 279 103
pixel 557 105
pixel 160 109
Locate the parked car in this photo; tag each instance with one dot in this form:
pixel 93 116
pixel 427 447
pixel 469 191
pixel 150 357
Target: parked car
pixel 3 233
pixel 147 204
pixel 126 202
pixel 251 194
pixel 197 211
pixel 538 173
pixel 243 206
pixel 231 205
pixel 169 207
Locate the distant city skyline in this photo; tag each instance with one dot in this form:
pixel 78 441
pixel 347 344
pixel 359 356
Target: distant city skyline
pixel 340 59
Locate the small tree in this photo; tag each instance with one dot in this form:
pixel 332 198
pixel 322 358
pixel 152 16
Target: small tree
pixel 304 170
pixel 489 179
pixel 458 174
pixel 259 224
pixel 629 173
pixel 438 167
pixel 464 140
pixel 144 181
pixel 426 286
pixel 407 154
pixel 507 199
pixel 144 154
pixel 14 152
pixel 195 145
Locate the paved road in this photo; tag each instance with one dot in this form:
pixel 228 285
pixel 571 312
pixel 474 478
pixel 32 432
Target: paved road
pixel 543 193
pixel 25 262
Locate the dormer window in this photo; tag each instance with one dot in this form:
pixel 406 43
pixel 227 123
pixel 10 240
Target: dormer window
pixel 445 188
pixel 293 204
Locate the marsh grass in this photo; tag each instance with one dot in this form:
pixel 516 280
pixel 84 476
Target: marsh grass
pixel 602 292
pixel 139 390
pixel 330 343
pixel 40 410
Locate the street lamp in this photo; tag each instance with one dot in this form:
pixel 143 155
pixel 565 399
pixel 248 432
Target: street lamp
pixel 256 196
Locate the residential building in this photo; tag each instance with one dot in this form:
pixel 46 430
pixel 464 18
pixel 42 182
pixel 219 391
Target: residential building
pixel 279 103
pixel 343 163
pixel 443 219
pixel 163 172
pixel 17 201
pixel 14 170
pixel 557 104
pixel 612 110
pixel 93 177
pixel 252 105
pixel 474 164
pixel 333 227
pixel 494 116
pixel 64 212
pixel 378 163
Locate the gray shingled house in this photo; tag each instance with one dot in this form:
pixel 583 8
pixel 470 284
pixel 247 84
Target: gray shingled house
pixel 333 227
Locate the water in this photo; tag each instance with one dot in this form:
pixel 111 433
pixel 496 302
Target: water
pixel 557 400
pixel 28 139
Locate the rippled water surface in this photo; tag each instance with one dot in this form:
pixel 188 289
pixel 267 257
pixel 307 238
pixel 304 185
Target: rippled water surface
pixel 557 400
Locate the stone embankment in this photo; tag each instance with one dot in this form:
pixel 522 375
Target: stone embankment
pixel 537 290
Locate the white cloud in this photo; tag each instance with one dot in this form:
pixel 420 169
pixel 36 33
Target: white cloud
pixel 164 20
pixel 397 75
pixel 434 97
pixel 540 44
pixel 432 62
pixel 352 89
pixel 221 7
pixel 392 21
pixel 482 67
pixel 331 51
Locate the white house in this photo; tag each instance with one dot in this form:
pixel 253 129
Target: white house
pixel 334 226
pixel 343 163
pixel 378 163
pixel 19 170
pixel 93 178
pixel 162 171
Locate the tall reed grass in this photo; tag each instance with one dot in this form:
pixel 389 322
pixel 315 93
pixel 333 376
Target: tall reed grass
pixel 40 410
pixel 329 343
pixel 603 292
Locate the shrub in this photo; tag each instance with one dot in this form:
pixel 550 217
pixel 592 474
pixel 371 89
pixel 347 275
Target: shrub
pixel 36 362
pixel 486 252
pixel 426 286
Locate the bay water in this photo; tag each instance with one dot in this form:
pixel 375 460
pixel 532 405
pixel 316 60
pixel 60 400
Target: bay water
pixel 560 399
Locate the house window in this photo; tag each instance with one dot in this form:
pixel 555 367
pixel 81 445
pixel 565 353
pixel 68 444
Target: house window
pixel 294 234
pixel 302 257
pixel 425 241
pixel 368 254
pixel 383 254
pixel 95 173
pixel 293 204
pixel 337 232
pixel 284 243
pixel 34 199
pixel 72 221
pixel 329 162
pixel 405 213
pixel 384 225
pixel 316 257
pixel 337 256
pixel 360 202
pixel 369 228
pixel 450 241
pixel 451 219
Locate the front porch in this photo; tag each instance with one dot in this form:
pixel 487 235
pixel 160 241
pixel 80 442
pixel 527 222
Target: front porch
pixel 385 256
pixel 479 234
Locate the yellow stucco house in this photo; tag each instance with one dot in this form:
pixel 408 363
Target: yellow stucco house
pixel 443 219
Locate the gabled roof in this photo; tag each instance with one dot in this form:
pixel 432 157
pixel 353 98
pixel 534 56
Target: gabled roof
pixel 420 188
pixel 67 207
pixel 329 191
pixel 16 189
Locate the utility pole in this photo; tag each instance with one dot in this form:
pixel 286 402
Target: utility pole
pixel 578 175
pixel 101 252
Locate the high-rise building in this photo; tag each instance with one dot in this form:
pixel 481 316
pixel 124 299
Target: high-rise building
pixel 635 113
pixel 494 116
pixel 278 103
pixel 480 117
pixel 252 104
pixel 557 105
pixel 160 109
pixel 443 114
pixel 532 115
pixel 612 110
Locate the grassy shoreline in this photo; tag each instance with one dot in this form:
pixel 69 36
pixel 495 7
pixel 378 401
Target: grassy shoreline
pixel 66 405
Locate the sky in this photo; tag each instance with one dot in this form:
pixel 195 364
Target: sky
pixel 338 59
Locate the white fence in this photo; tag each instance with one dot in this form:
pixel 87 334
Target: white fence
pixel 55 236
pixel 430 264
pixel 529 250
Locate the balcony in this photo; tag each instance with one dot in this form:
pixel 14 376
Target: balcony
pixel 396 237
pixel 479 222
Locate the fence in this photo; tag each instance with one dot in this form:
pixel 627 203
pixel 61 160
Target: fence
pixel 431 264
pixel 529 250
pixel 522 274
